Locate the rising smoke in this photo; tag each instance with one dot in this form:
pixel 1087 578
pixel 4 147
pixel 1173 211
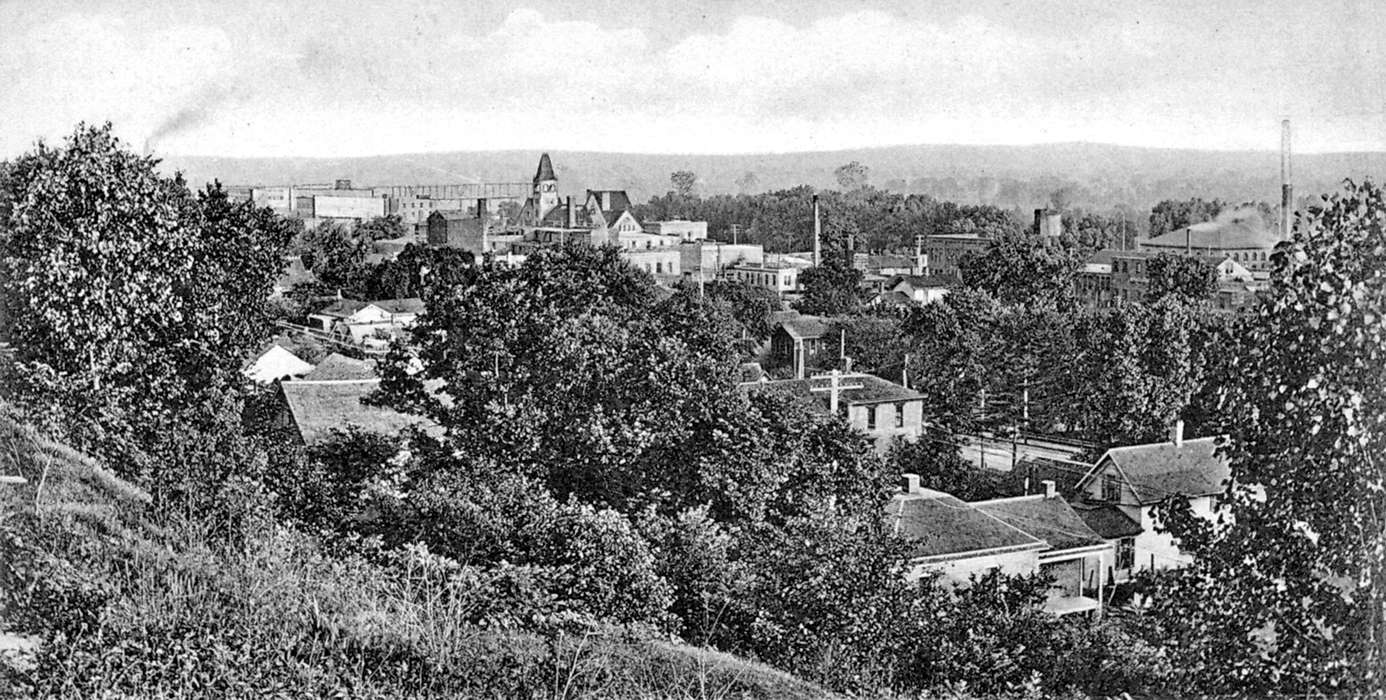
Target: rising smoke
pixel 199 110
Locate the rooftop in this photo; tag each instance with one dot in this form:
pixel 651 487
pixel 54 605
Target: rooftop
pixel 873 390
pixel 1155 471
pixel 1231 234
pixel 941 526
pixel 1051 519
pixel 804 327
pixel 1107 520
pixel 321 408
pixel 545 171
pixel 336 367
pixel 411 305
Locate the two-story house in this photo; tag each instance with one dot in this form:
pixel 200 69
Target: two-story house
pixel 1132 480
pixel 882 409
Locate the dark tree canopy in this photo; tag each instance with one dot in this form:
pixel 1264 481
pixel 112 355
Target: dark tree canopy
pixel 1190 278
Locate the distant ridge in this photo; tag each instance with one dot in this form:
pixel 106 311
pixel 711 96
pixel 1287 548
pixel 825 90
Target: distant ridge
pixel 1098 175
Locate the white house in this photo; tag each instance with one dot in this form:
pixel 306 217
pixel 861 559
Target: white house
pixel 363 320
pixel 1133 480
pixel 1014 536
pixel 275 362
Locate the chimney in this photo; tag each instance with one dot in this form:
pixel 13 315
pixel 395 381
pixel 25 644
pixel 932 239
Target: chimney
pixel 1287 190
pixel 572 215
pixel 817 232
pixel 481 209
pixel 910 483
pixel 1176 433
pixel 1049 491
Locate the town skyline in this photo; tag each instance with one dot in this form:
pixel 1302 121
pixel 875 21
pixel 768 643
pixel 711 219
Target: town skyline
pixel 705 78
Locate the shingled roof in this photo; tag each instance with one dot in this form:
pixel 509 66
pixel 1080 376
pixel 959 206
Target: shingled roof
pixel 343 308
pixel 1051 519
pixel 336 367
pixel 941 526
pixel 411 305
pixel 320 408
pixel 804 327
pixel 1190 468
pixel 873 390
pixel 1108 520
pixel 545 171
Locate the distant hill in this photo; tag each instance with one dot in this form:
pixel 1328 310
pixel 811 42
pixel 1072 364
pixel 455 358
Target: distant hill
pixel 1094 175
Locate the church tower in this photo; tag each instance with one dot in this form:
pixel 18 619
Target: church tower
pixel 545 194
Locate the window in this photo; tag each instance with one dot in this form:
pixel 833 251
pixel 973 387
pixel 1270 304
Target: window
pixel 659 267
pixel 870 417
pixel 1126 553
pixel 1111 490
pixel 900 415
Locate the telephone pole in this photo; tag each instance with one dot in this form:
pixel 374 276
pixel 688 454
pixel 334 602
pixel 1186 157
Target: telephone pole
pixel 1287 190
pixel 835 386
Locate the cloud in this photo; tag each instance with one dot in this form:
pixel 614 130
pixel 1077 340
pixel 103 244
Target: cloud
pixel 419 75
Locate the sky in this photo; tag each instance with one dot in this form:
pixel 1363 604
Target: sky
pixel 258 78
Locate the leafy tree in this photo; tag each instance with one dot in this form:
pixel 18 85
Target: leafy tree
pixel 748 182
pixel 381 228
pixel 337 257
pixel 830 289
pixel 1023 271
pixel 876 344
pixel 1172 215
pixel 684 182
pixel 940 467
pixel 1188 277
pixel 851 176
pixel 129 301
pixel 752 306
pixel 1288 595
pixel 417 267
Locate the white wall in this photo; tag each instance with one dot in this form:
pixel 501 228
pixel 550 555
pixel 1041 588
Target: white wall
pixel 960 570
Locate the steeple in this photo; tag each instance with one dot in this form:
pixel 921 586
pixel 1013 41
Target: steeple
pixel 545 172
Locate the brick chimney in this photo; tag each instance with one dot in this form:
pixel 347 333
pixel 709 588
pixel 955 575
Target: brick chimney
pixel 1049 490
pixel 909 483
pixel 1176 433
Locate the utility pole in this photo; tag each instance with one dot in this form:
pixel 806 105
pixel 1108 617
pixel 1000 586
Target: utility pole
pixel 817 235
pixel 835 386
pixel 1287 190
pixel 981 436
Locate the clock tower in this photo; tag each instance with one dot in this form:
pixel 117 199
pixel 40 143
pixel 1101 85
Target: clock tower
pixel 545 193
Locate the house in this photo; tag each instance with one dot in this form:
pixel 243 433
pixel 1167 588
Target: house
pixel 319 409
pixel 275 362
pixel 295 273
pixel 1013 536
pixel 1076 556
pixel 778 278
pixel 882 409
pixel 798 341
pixel 921 289
pixel 1133 480
pixel 364 320
pixel 945 251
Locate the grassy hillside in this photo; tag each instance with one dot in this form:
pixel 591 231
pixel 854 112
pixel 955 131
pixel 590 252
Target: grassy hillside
pixel 1009 176
pixel 126 609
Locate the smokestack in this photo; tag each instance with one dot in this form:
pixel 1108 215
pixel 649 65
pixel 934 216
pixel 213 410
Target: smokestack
pixel 910 483
pixel 481 210
pixel 1287 190
pixel 572 215
pixel 817 234
pixel 1176 433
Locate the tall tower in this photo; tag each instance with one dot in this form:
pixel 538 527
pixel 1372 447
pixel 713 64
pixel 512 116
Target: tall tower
pixel 545 188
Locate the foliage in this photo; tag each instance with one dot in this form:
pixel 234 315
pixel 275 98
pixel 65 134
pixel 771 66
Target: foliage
pixel 409 274
pixel 1023 270
pixel 337 256
pixel 381 228
pixel 876 344
pixel 1172 215
pixel 129 301
pixel 1286 595
pixel 940 467
pixel 830 289
pixel 851 176
pixel 751 305
pixel 1190 278
pixel 684 181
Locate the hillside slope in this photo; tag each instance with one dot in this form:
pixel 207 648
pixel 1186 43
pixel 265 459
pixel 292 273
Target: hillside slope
pixel 126 609
pixel 1024 176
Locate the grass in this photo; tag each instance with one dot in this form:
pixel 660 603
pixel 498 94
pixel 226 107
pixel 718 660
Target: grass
pixel 170 613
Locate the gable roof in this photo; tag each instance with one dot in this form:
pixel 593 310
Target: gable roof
pixel 342 308
pixel 411 305
pixel 320 408
pixel 609 201
pixel 803 327
pixel 1050 519
pixel 545 171
pixel 1108 520
pixel 1162 469
pixel 941 526
pixel 275 362
pixel 337 367
pixel 922 281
